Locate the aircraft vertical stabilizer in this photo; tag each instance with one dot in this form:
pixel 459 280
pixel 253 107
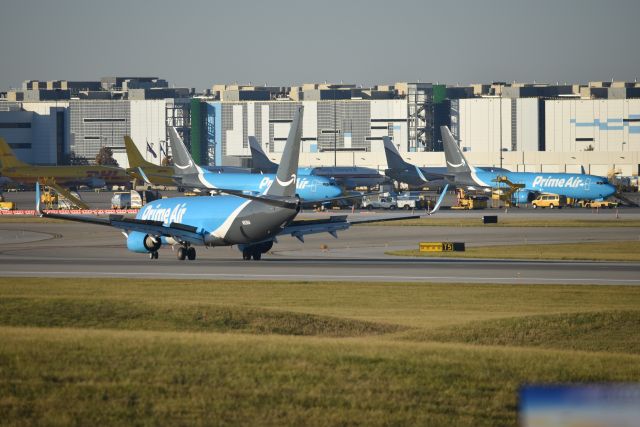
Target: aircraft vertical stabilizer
pixel 183 163
pixel 8 158
pixel 133 155
pixel 285 182
pixel 456 163
pixel 394 159
pixel 259 159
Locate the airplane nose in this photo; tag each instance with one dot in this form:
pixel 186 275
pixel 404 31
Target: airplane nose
pixel 610 190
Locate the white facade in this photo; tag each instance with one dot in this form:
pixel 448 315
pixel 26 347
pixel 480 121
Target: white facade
pixel 42 137
pixel 481 128
pixel 575 125
pixel 393 109
pixel 148 120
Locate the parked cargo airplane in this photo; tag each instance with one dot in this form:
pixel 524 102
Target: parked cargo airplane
pixel 308 188
pixel 417 177
pixel 574 185
pixel 24 173
pixel 252 222
pixel 348 177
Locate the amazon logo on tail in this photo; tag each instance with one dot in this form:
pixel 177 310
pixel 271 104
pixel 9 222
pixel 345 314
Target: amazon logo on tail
pixel 456 162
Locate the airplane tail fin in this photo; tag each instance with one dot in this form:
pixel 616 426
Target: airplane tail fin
pixel 394 159
pixel 7 157
pixel 133 155
pixel 259 159
pixel 183 163
pixel 456 163
pixel 285 182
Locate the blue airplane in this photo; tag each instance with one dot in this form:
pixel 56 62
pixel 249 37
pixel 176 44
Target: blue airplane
pixel 348 177
pixel 575 185
pixel 252 222
pixel 417 177
pixel 309 188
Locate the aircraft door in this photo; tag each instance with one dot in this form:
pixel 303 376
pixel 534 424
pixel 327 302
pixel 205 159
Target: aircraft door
pixel 587 184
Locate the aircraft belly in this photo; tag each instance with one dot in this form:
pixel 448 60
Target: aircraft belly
pixel 257 222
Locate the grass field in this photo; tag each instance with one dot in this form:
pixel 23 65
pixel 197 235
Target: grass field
pixel 112 352
pixel 591 251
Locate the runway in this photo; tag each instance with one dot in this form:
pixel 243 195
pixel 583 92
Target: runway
pixel 79 250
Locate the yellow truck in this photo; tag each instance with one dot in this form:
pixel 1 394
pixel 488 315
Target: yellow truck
pixel 597 204
pixel 6 206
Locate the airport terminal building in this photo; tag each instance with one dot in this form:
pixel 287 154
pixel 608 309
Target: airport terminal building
pixel 522 127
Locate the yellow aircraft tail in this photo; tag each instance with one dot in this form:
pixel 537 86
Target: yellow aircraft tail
pixel 133 154
pixel 7 158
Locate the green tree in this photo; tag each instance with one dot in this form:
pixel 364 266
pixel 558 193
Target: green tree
pixel 105 157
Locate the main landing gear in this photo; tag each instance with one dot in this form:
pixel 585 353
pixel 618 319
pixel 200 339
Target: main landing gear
pixel 186 252
pixel 256 251
pixel 183 252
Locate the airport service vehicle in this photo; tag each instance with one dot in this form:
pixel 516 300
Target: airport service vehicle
pixel 132 199
pixel 597 204
pixel 407 201
pixel 531 184
pixel 308 188
pixel 121 200
pixel 347 177
pixel 386 202
pixel 6 206
pixel 550 201
pixel 466 201
pixel 251 222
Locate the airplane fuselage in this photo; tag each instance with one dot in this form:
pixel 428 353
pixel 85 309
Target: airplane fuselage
pixel 66 175
pixel 308 187
pixel 221 220
pixel 577 186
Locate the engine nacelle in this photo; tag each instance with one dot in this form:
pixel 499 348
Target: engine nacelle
pixel 523 197
pixel 142 243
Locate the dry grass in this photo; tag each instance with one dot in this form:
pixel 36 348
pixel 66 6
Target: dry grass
pixel 107 352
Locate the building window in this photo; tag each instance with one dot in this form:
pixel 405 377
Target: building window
pixel 24 146
pixel 12 125
pixel 103 120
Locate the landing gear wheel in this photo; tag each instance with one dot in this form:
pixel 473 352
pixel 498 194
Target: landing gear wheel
pixel 182 253
pixel 256 256
pixel 191 253
pixel 153 255
pixel 246 255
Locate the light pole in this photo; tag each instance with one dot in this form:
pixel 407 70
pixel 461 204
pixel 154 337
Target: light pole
pixel 500 128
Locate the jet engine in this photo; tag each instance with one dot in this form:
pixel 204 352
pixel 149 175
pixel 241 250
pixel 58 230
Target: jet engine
pixel 142 243
pixel 522 197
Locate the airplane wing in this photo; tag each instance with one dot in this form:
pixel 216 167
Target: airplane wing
pixel 180 232
pixel 331 225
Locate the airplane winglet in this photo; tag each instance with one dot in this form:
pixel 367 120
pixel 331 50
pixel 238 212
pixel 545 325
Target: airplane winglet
pixel 440 199
pixel 38 207
pixel 144 176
